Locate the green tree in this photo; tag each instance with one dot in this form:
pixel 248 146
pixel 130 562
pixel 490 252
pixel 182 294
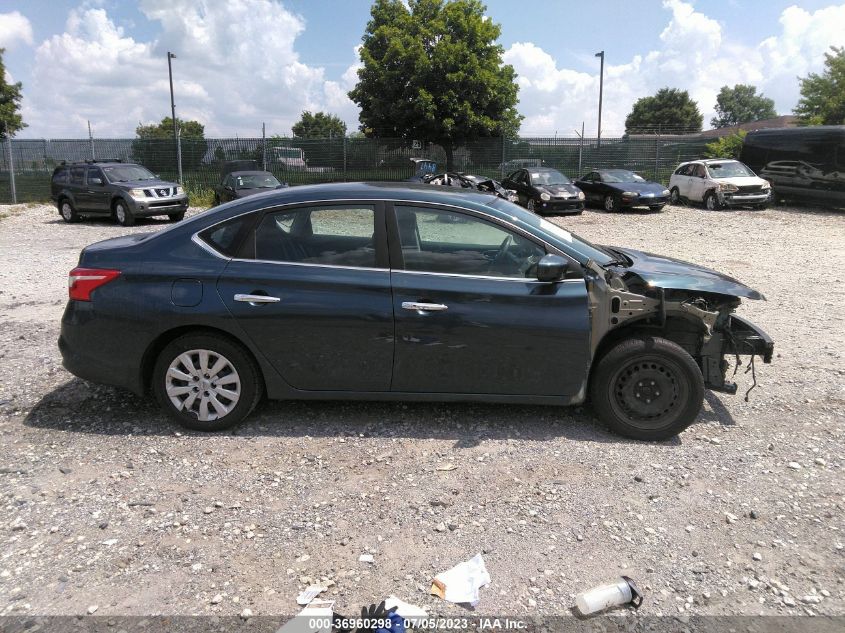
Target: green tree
pixel 823 96
pixel 729 146
pixel 741 104
pixel 155 149
pixel 319 125
pixel 188 129
pixel 432 70
pixel 669 111
pixel 10 103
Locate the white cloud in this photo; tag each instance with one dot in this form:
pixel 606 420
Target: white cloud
pixel 693 55
pixel 14 28
pixel 236 67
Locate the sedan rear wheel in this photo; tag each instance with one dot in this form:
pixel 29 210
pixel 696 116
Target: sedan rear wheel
pixel 647 388
pixel 609 203
pixel 206 382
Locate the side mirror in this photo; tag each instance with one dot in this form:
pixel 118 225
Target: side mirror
pixel 95 181
pixel 551 268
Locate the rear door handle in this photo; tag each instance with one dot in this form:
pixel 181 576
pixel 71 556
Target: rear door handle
pixel 424 307
pixel 256 299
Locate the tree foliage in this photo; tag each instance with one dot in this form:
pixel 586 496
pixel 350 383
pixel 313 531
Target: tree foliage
pixel 741 104
pixel 10 103
pixel 729 146
pixel 433 71
pixel 188 129
pixel 155 149
pixel 823 96
pixel 669 111
pixel 319 125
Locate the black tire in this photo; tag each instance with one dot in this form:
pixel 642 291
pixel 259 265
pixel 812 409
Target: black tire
pixel 610 203
pixel 67 211
pixel 674 196
pixel 647 388
pixel 711 201
pixel 763 206
pixel 216 200
pixel 249 389
pixel 122 215
pixel 176 217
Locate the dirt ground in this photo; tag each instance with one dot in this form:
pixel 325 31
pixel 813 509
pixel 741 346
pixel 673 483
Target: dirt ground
pixel 107 507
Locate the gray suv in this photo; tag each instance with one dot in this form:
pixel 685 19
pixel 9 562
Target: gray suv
pixel 124 191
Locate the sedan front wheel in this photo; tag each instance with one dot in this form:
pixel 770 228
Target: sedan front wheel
pixel 609 203
pixel 647 388
pixel 206 382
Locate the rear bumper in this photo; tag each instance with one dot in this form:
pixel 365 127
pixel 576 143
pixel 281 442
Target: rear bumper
pixel 99 351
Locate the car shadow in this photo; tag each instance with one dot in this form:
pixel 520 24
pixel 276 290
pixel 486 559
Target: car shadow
pixel 81 407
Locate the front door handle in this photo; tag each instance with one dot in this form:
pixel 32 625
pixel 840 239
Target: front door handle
pixel 424 307
pixel 256 299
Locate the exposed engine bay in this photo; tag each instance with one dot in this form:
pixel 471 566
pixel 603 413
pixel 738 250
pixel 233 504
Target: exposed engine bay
pixel 703 323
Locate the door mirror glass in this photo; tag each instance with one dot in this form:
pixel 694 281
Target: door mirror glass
pixel 551 268
pixel 95 181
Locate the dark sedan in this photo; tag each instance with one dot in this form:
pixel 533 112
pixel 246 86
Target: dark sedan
pixel 545 191
pixel 240 184
pixel 616 189
pixel 358 291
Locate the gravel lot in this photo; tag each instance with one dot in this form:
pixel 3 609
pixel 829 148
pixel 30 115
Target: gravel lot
pixel 106 504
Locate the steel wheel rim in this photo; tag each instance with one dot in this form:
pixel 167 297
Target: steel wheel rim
pixel 648 393
pixel 530 205
pixel 711 204
pixel 67 212
pixel 673 196
pixel 203 383
pixel 120 213
pixel 608 203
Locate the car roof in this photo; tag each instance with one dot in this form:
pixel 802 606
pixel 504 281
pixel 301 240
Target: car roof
pixel 541 169
pixel 249 172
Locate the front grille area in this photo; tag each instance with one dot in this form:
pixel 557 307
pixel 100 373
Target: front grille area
pixel 160 192
pixel 750 189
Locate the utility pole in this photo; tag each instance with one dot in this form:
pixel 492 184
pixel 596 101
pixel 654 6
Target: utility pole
pixel 11 164
pixel 173 115
pixel 580 146
pixel 91 140
pixel 601 90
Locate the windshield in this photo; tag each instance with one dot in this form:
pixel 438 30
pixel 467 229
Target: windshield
pixel 552 233
pixel 256 181
pixel 550 177
pixel 728 170
pixel 125 173
pixel 621 175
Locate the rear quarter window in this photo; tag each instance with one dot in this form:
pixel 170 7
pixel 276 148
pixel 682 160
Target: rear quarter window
pixel 60 176
pixel 226 237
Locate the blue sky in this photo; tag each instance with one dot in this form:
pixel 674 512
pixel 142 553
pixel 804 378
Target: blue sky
pixel 305 50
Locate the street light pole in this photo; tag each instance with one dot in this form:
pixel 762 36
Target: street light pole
pixel 173 115
pixel 601 90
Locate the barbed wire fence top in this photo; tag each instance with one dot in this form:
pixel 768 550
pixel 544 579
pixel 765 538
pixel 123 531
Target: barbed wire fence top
pixel 306 161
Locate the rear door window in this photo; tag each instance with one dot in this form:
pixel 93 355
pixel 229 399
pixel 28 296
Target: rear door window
pixel 329 235
pixel 76 175
pixel 60 177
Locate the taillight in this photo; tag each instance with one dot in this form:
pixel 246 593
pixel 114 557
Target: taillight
pixel 81 282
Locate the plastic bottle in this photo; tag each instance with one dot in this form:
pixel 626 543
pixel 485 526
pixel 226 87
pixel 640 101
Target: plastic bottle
pixel 623 591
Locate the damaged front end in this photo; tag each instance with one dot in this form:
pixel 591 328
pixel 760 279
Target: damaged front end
pixel 691 306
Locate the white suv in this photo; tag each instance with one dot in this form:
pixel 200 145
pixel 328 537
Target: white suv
pixel 718 182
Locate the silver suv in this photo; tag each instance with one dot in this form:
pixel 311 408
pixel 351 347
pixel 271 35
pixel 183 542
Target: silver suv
pixel 124 191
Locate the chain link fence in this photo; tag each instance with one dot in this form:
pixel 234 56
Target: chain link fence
pixel 27 164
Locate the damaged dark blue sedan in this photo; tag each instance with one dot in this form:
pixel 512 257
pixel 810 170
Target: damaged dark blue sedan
pixel 363 291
